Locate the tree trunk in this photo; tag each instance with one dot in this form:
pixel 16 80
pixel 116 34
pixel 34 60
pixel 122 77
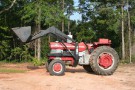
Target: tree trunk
pixel 123 38
pixel 35 48
pixel 63 13
pixel 134 32
pixel 39 40
pixel 39 49
pixel 68 25
pixel 129 34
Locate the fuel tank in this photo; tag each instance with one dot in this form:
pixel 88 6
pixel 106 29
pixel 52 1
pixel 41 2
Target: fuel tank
pixel 70 46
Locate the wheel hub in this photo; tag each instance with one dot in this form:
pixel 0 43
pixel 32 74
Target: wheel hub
pixel 105 60
pixel 57 67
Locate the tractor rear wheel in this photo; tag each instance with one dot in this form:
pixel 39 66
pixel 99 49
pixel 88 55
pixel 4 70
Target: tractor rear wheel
pixel 88 68
pixel 104 60
pixel 56 67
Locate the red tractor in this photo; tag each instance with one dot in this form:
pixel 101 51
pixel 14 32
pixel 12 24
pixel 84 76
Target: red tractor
pixel 96 57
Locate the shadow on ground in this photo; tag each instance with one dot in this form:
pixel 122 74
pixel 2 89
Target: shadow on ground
pixel 76 70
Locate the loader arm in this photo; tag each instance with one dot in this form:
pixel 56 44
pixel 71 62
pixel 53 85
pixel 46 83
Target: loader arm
pixel 52 30
pixel 24 34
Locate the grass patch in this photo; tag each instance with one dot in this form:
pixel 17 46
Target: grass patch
pixel 5 70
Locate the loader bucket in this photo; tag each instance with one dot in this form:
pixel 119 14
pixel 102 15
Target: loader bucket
pixel 23 33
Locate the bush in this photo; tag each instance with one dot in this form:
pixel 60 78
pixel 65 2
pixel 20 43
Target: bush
pixel 5 41
pixel 37 62
pixel 127 60
pixel 19 54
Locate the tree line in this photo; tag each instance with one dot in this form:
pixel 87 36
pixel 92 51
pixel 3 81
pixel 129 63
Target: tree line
pixel 112 19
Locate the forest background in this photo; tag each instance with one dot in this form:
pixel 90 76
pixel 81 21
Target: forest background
pixel 112 19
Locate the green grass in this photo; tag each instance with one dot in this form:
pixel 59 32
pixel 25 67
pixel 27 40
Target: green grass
pixel 5 70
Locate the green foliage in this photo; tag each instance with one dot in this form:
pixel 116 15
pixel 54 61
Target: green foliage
pixel 44 47
pixel 127 60
pixel 85 34
pixel 4 42
pixel 50 13
pixel 100 19
pixel 103 19
pixel 37 62
pixel 20 54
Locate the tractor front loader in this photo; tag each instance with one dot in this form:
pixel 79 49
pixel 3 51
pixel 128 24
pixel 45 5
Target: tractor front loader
pixel 97 57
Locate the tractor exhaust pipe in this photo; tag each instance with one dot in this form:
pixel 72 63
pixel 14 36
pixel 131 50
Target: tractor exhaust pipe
pixel 23 33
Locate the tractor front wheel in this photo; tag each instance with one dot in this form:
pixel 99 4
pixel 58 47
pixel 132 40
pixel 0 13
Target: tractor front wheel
pixel 104 60
pixel 56 67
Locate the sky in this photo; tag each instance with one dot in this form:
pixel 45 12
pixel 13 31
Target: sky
pixel 76 16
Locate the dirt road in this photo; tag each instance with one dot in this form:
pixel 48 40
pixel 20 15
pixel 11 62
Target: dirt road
pixel 74 79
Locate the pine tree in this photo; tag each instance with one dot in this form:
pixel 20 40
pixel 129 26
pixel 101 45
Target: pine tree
pixel 41 12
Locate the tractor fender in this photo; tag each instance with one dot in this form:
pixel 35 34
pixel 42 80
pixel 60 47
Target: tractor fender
pixel 102 42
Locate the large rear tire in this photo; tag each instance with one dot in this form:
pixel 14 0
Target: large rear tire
pixel 104 60
pixel 88 68
pixel 56 67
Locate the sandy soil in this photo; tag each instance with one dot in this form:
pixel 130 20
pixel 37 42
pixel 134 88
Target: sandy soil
pixel 74 79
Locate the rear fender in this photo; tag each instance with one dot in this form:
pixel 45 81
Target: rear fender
pixel 102 42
